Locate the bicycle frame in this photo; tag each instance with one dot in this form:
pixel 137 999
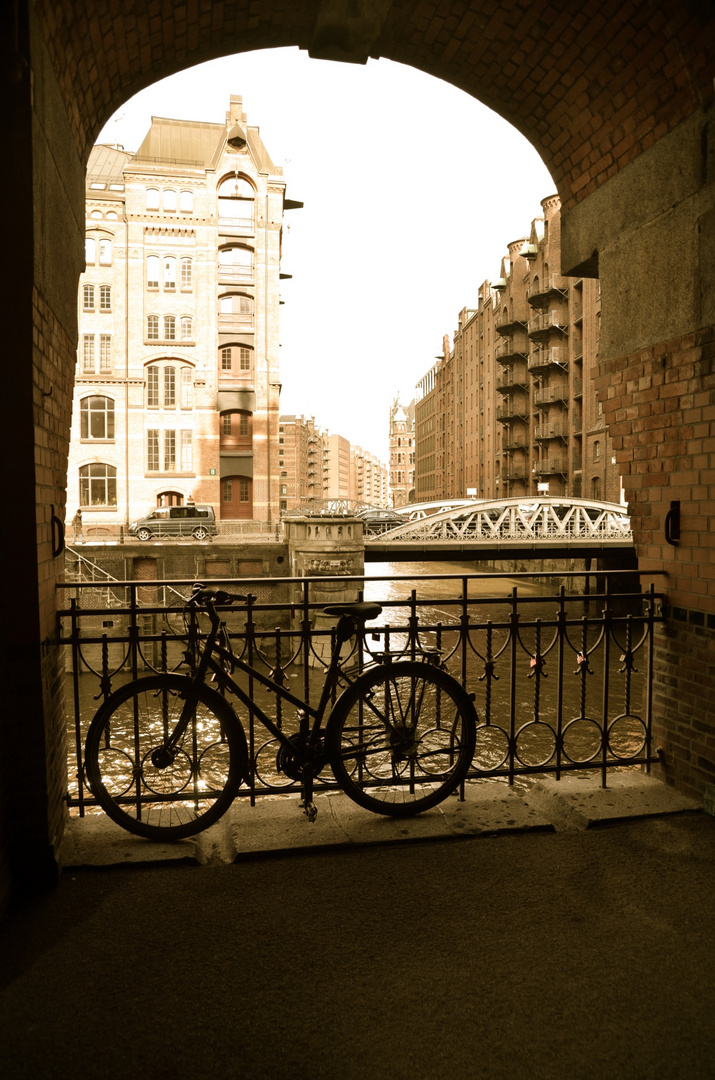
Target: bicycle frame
pixel 210 660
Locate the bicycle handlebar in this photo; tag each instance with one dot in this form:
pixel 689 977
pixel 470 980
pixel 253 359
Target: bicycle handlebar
pixel 203 594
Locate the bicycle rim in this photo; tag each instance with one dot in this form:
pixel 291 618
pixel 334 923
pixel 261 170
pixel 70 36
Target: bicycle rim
pixel 401 738
pixel 143 788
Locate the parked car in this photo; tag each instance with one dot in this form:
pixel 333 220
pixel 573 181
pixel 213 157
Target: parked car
pixel 196 521
pixel 376 521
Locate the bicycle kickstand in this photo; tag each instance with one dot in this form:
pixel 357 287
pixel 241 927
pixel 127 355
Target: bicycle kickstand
pixel 309 808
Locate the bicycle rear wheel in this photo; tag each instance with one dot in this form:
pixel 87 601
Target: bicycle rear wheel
pixel 153 792
pixel 401 738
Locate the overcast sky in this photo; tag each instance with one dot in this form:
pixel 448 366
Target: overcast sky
pixel 412 191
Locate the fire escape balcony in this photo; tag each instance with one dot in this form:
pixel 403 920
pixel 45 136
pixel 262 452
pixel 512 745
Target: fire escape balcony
pixel 507 323
pixel 539 291
pixel 545 395
pixel 515 345
pixel 544 322
pixel 510 377
pixel 546 356
pixel 550 466
pixel 513 470
pixel 555 429
pixel 515 438
pixel 510 408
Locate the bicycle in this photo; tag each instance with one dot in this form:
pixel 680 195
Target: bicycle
pixel 165 754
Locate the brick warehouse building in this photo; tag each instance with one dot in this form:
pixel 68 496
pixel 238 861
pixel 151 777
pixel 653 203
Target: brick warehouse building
pixel 617 98
pixel 177 383
pixel 511 407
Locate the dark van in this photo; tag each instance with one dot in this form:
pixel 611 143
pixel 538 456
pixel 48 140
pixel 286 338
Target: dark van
pixel 196 521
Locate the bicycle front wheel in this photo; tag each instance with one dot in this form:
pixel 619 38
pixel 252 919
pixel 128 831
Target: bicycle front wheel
pixel 401 738
pixel 149 789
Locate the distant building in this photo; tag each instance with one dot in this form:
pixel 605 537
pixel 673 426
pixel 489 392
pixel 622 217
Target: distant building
pixel 402 453
pixel 177 388
pixel 315 465
pixel 509 409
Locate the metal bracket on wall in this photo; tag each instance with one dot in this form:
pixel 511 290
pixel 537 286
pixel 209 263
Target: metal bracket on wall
pixel 672 524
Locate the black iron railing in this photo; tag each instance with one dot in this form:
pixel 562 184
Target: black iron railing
pixel 561 676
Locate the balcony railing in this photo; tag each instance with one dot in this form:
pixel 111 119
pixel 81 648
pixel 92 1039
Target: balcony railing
pixel 546 394
pixel 233 320
pixel 551 466
pixel 561 680
pixel 234 273
pixel 538 291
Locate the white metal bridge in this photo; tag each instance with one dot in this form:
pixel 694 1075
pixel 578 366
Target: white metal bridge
pixel 547 527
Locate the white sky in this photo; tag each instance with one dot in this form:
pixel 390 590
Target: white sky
pixel 412 191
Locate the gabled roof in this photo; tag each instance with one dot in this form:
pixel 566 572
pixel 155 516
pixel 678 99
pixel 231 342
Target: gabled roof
pixel 182 142
pixel 105 164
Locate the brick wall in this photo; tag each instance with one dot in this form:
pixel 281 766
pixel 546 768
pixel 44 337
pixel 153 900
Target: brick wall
pixel 660 407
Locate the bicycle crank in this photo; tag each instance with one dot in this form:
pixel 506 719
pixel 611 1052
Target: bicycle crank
pixel 292 763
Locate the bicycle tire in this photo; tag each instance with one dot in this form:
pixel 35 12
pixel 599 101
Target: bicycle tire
pixel 195 788
pixel 401 738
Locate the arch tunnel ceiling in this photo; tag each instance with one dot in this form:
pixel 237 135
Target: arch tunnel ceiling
pixel 590 84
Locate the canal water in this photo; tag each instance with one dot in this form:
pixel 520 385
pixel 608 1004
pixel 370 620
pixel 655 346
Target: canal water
pixel 541 695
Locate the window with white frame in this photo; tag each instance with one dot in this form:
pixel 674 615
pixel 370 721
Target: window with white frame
pixel 105 352
pixel 170 273
pixel 88 297
pixel 90 251
pixel 97 484
pixel 105 252
pixel 187 375
pixel 186 201
pixel 169 199
pixel 105 297
pixel 186 328
pixel 96 418
pixel 186 274
pixel 169 328
pixel 169 450
pixel 236 199
pixel 152 198
pixel 88 354
pixel 153 267
pixel 164 382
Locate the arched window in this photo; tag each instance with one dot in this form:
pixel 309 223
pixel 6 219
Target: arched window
pixel 187 274
pixel 235 360
pixel 164 381
pixel 105 252
pixel 170 273
pixel 596 488
pixel 152 328
pixel 597 450
pixel 169 328
pixel 235 264
pixel 235 312
pixel 170 498
pixel 96 418
pixel 186 201
pixel 186 328
pixel 235 202
pixel 105 297
pixel 236 428
pixel 153 266
pixel 97 485
pixel 169 199
pixel 88 297
pixel 90 253
pixel 152 198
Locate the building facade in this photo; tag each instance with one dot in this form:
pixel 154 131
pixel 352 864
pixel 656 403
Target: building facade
pixel 510 408
pixel 317 466
pixel 402 453
pixel 177 388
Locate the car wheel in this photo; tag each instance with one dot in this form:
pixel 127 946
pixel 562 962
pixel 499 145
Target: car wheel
pixel 144 534
pixel 200 533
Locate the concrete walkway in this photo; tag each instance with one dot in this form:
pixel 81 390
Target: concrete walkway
pixel 535 948
pixel 277 823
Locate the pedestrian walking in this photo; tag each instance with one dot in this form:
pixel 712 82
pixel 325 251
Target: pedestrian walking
pixel 77 525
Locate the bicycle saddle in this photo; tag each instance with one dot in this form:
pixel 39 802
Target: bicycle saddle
pixel 362 611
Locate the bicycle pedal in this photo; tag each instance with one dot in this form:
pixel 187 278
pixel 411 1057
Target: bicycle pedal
pixel 310 810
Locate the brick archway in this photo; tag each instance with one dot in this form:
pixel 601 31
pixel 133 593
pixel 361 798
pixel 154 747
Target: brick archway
pixel 615 95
